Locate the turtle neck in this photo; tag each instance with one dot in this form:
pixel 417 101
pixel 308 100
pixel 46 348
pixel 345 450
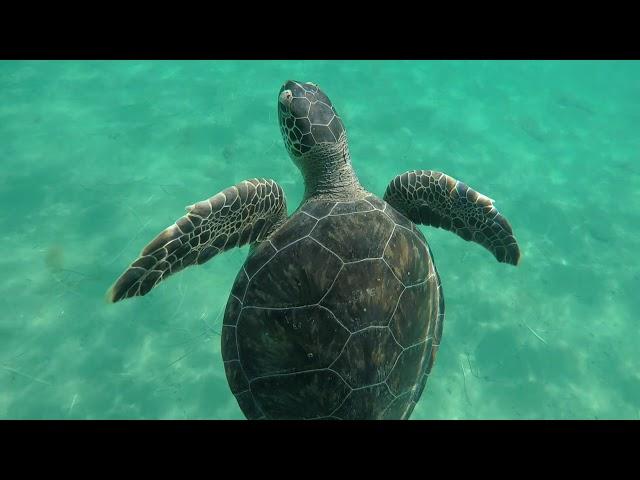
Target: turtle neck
pixel 328 173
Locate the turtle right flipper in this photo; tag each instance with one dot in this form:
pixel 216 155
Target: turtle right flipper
pixel 434 198
pixel 241 214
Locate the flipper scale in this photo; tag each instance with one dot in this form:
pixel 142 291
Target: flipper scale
pixel 244 213
pixel 436 199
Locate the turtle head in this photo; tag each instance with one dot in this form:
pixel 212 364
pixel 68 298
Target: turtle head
pixel 307 118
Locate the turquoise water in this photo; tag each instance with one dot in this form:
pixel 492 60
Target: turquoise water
pixel 97 157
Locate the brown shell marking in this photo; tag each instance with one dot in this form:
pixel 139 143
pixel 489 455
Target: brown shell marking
pixel 334 325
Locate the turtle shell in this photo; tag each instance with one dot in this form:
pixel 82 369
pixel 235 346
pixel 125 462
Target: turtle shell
pixel 337 315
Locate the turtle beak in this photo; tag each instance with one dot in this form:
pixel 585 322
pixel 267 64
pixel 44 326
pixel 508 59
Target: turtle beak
pixel 285 98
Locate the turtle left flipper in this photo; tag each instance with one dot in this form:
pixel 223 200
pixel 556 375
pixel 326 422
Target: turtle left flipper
pixel 246 213
pixel 436 199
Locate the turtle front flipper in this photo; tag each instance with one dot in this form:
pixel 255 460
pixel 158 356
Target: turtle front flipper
pixel 242 214
pixel 434 198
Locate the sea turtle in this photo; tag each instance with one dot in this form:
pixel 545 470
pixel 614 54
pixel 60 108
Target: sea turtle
pixel 337 312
